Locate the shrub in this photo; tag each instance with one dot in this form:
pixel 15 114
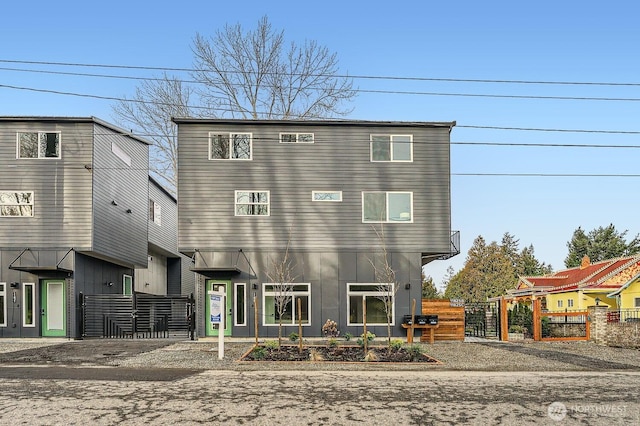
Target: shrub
pixel 271 344
pixel 347 336
pixel 294 336
pixel 330 329
pixel 396 344
pixel 258 352
pixel 415 351
pixel 332 343
pixel 370 336
pixel 516 329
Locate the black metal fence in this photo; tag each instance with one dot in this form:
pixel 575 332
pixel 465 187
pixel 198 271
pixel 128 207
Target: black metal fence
pixel 482 319
pixel 138 316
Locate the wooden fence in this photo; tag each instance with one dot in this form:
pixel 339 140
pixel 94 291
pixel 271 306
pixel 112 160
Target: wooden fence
pixel 450 320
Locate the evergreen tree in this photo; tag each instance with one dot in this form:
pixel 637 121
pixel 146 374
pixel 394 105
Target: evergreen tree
pixel 599 244
pixel 429 290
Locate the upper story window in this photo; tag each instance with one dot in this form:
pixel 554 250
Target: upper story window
pixel 252 203
pixel 326 195
pixel 39 145
pixel 381 207
pixel 155 212
pixel 392 148
pixel 230 146
pixel 296 138
pixel 16 204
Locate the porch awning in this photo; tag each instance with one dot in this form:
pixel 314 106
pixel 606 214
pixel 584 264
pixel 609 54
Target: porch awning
pixel 217 270
pixel 36 269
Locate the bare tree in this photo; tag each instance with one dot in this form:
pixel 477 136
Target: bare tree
pixel 149 112
pixel 385 276
pixel 252 74
pixel 281 274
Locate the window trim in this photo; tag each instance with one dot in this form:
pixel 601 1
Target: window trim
pixel 236 287
pixel 391 159
pixel 24 304
pixel 387 193
pixel 32 204
pixel 375 293
pixel 235 203
pixel 58 157
pixel 230 134
pixel 313 137
pixel 294 320
pixel 313 196
pixel 3 312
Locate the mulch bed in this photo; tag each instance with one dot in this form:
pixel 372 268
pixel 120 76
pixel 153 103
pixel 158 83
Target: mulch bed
pixel 336 354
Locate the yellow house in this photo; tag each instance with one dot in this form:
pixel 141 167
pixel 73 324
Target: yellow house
pixel 589 284
pixel 628 296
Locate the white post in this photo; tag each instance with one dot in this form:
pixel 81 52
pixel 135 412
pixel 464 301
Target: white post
pixel 218 316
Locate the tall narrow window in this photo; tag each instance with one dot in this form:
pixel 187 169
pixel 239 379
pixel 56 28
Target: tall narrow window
pixel 16 203
pixel 252 203
pixel 230 146
pixel 155 213
pixel 39 145
pixel 127 285
pixel 240 303
pixel 392 148
pixel 387 207
pixel 3 305
pixel 29 305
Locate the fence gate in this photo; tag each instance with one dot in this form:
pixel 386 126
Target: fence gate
pixel 482 319
pixel 137 316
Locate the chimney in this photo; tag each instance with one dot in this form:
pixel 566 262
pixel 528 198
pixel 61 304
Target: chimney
pixel 585 262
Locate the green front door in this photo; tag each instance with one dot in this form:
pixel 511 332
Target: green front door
pixel 215 285
pixel 53 308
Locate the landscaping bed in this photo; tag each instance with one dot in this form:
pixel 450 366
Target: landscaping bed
pixel 343 353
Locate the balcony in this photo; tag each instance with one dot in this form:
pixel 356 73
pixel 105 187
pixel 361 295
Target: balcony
pixel 454 249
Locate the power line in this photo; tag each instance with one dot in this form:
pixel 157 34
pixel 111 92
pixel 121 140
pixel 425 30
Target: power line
pixel 355 76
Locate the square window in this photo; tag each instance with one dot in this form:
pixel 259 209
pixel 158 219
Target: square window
pixel 387 207
pixel 39 145
pixel 16 204
pixel 397 148
pixel 230 146
pixel 252 203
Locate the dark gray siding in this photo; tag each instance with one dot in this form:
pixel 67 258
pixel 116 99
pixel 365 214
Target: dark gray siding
pixel 338 160
pixel 119 235
pixel 62 187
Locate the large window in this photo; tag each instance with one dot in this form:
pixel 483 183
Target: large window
pixel 16 203
pixel 39 145
pixel 28 304
pixel 391 148
pixel 296 137
pixel 229 146
pixel 387 207
pixel 3 304
pixel 287 296
pixel 373 296
pixel 240 303
pixel 252 203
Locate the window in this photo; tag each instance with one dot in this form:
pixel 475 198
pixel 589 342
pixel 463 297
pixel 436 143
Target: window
pixel 636 302
pixel 127 285
pixel 29 304
pixel 3 304
pixel 570 303
pixel 252 203
pixel 229 146
pixel 373 296
pixel 392 148
pixel 326 195
pixel 240 303
pixel 16 203
pixel 288 294
pixel 155 212
pixel 559 303
pixel 39 145
pixel 296 138
pixel 119 152
pixel 387 207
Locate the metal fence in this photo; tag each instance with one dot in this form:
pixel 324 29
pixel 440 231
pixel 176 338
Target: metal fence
pixel 624 315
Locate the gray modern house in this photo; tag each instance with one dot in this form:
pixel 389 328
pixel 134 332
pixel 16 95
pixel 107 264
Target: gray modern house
pixel 167 271
pixel 74 202
pixel 325 201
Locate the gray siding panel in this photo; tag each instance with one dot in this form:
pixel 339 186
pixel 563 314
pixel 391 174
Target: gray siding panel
pixel 164 235
pixel 338 160
pixel 120 235
pixel 62 187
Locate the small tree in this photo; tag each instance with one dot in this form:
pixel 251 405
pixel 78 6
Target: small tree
pixel 281 275
pixel 385 277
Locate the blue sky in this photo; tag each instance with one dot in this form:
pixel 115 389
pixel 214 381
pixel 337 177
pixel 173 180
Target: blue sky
pixel 544 41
